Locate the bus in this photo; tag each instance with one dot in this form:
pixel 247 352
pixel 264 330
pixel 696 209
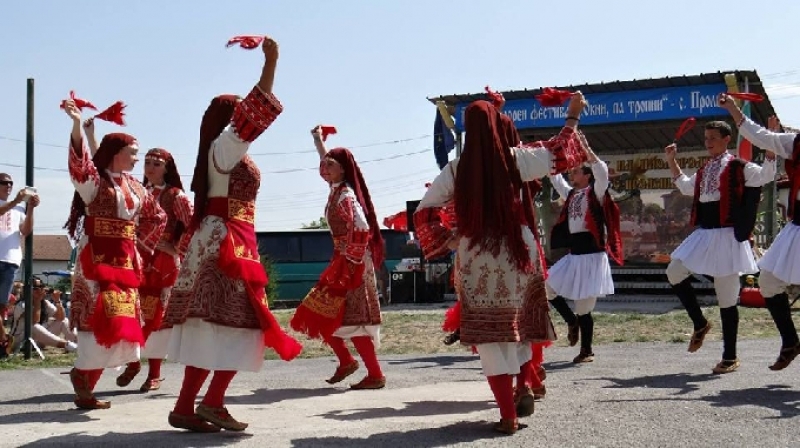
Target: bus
pixel 300 256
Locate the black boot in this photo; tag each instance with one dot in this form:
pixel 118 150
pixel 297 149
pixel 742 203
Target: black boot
pixel 781 313
pixel 586 324
pixel 560 304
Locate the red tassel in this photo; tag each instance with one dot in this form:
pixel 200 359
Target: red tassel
pixel 79 103
pixel 326 131
pixel 275 338
pixel 685 127
pixel 246 42
pixel 114 113
pixel 315 325
pixel 452 318
pixel 496 98
pixel 746 96
pixel 551 97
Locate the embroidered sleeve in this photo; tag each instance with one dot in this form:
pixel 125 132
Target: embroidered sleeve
pixel 252 116
pixel 561 185
pixel 350 211
pixel 600 172
pixel 152 220
pixel 255 113
pixel 564 153
pixel 781 143
pixel 685 184
pixel 83 172
pixel 433 234
pixel 183 208
pixel 758 175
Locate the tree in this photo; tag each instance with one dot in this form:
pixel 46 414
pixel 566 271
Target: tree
pixel 272 275
pixel 322 223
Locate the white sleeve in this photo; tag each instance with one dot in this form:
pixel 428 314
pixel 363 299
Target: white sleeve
pixel 442 188
pixel 781 143
pixel 600 172
pixel 228 149
pixel 533 162
pixel 758 175
pixel 685 184
pixel 561 185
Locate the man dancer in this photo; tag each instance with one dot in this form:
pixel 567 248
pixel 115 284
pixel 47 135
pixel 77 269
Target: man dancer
pixel 780 266
pixel 589 227
pixel 726 194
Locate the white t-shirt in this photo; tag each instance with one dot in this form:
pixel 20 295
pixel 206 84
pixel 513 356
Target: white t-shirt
pixel 10 236
pixel 18 324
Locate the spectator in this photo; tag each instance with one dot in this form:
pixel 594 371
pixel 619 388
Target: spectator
pixel 51 326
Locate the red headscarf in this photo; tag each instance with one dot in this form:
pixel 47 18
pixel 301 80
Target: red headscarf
pixel 109 147
pixel 215 119
pixel 354 178
pixel 171 176
pixel 487 186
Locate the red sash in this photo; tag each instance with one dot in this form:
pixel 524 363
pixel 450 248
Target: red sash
pixel 110 259
pixel 239 259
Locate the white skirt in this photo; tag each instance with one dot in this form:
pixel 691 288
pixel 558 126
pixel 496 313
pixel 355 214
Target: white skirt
pixel 352 331
pixel 716 252
pixel 208 346
pixel 579 277
pixel 783 257
pixel 503 358
pixel 92 356
pixel 157 344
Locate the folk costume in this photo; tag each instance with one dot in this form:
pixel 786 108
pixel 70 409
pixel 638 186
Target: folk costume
pixel 726 193
pixel 344 303
pixel 589 227
pixel 503 306
pixel 218 309
pixel 780 265
pixel 111 215
pixel 160 271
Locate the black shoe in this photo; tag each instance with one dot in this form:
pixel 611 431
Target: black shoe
pixel 452 338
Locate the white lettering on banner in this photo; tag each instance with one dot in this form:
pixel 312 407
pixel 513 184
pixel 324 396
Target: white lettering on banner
pixel 596 109
pixel 646 106
pixel 517 114
pixel 702 101
pixel 618 108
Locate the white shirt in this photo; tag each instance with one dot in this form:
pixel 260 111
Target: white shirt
pixel 754 176
pixel 781 143
pixel 579 204
pixel 10 236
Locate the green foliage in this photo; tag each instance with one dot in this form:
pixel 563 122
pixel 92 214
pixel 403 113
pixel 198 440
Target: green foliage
pixel 322 223
pixel 272 274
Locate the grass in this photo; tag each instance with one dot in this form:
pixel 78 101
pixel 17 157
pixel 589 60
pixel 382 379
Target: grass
pixel 420 333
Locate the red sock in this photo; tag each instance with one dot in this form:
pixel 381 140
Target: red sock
pixel 94 377
pixel 340 350
pixel 503 389
pixel 193 379
pixel 136 365
pixel 154 366
pixel 536 382
pixel 366 349
pixel 524 376
pixel 215 396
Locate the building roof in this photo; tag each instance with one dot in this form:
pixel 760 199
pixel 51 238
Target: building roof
pixel 51 248
pixel 636 135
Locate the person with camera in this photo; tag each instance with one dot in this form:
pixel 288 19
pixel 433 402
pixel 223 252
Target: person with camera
pixel 16 222
pixel 51 326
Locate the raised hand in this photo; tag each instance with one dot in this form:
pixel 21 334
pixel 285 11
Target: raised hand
pixel 270 49
pixel 670 151
pixel 72 110
pixel 774 124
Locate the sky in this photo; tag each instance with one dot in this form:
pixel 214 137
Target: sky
pixel 364 67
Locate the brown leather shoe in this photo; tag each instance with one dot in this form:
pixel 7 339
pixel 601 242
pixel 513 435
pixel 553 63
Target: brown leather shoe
pixel 698 337
pixel 343 372
pixel 84 398
pixel 131 370
pixel 92 403
pixel 151 384
pixel 539 392
pixel 584 356
pixel 193 423
pixel 541 373
pixel 370 383
pixel 220 417
pixel 726 366
pixel 524 401
pixel 785 357
pixel 573 333
pixel 507 426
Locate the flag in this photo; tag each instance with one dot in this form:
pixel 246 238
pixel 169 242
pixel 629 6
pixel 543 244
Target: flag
pixel 742 144
pixel 443 140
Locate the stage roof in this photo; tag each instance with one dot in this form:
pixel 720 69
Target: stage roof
pixel 636 135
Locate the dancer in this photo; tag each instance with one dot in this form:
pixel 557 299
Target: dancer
pixel 589 227
pixel 344 303
pixel 162 180
pixel 218 307
pixel 780 265
pixel 502 312
pixel 111 213
pixel 726 193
